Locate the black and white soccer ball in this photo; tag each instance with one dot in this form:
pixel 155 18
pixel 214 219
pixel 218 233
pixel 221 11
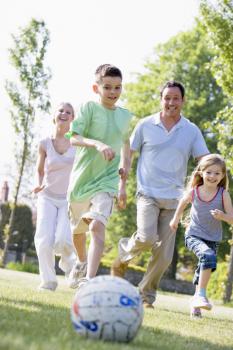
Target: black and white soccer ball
pixel 108 308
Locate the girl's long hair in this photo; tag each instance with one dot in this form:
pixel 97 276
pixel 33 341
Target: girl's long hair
pixel 206 161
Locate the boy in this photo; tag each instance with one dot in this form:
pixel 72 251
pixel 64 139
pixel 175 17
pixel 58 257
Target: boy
pixel 101 134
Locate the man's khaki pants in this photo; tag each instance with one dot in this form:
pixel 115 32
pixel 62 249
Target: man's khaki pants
pixel 153 232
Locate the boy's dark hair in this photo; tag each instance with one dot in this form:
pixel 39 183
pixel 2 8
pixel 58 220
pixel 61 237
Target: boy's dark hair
pixel 107 70
pixel 173 83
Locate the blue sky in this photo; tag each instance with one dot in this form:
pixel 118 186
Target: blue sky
pixel 84 34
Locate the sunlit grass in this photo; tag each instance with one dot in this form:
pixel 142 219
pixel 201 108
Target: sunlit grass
pixel 32 320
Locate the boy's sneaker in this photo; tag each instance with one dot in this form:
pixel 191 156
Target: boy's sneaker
pixel 82 282
pixel 201 302
pixel 195 312
pixel 78 271
pixel 48 286
pixel 118 268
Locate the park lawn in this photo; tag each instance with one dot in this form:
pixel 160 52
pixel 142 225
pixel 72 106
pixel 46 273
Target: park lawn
pixel 32 320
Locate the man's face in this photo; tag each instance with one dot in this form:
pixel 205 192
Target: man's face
pixel 172 102
pixel 109 90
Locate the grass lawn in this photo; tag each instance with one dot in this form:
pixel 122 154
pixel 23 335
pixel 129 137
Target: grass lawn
pixel 32 320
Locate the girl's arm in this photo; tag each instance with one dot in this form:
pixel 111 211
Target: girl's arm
pixel 183 203
pixel 40 170
pixel 107 152
pixel 228 215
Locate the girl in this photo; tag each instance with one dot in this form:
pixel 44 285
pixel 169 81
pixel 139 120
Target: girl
pixel 211 204
pixel 53 234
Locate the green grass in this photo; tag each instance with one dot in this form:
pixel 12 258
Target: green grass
pixel 31 320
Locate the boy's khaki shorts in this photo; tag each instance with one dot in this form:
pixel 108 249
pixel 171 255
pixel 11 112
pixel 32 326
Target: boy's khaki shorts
pixel 98 208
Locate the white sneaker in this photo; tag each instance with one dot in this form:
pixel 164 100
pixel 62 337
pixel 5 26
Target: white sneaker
pixel 82 282
pixel 201 302
pixel 78 271
pixel 195 312
pixel 48 286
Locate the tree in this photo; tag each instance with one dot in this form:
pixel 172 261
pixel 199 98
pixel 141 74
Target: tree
pixel 185 57
pixel 218 20
pixel 22 237
pixel 28 97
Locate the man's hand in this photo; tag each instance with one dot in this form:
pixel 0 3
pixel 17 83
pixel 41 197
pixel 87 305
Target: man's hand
pixel 123 174
pixel 121 198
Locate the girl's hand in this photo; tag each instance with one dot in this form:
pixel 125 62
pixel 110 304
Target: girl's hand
pixel 173 225
pixel 217 214
pixel 38 189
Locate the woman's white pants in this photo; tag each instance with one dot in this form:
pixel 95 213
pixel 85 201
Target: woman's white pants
pixel 53 237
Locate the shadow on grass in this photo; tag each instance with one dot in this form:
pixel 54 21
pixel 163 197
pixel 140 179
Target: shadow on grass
pixel 26 324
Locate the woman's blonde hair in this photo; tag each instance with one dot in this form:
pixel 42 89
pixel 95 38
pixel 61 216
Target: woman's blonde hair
pixel 206 161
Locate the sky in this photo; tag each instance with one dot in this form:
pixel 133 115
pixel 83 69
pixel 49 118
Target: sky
pixel 85 34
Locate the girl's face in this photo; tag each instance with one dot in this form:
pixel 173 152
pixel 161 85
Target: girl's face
pixel 212 175
pixel 63 115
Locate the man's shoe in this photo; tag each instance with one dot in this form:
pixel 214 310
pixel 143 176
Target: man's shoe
pixel 78 271
pixel 201 302
pixel 147 305
pixel 118 268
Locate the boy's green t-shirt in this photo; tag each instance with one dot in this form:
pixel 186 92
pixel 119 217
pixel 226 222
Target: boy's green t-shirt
pixel 91 173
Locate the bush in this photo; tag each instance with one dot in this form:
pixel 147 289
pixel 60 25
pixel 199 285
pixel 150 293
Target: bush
pixel 27 267
pixel 217 283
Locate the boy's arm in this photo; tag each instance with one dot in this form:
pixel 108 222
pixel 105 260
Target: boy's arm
pixel 184 201
pixel 126 160
pixel 228 215
pixel 78 140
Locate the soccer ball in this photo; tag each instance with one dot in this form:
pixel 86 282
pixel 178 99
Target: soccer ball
pixel 107 308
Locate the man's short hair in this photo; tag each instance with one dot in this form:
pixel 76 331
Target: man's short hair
pixel 173 83
pixel 107 70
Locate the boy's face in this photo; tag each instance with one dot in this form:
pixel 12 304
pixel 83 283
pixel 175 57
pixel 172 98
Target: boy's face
pixel 109 90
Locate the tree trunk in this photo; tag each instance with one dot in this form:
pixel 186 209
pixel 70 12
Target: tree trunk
pixel 229 283
pixel 8 232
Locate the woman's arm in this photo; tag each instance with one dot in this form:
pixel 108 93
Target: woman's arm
pixel 40 170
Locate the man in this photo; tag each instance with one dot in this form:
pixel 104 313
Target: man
pixel 165 141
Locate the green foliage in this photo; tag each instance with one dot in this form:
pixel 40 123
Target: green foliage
pixel 185 57
pixel 217 283
pixel 27 267
pixel 218 21
pixel 22 227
